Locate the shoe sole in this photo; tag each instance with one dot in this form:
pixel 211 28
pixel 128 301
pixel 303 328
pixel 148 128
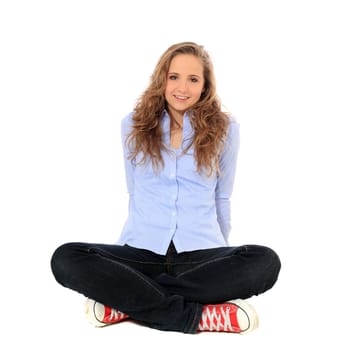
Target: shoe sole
pixel 90 314
pixel 250 312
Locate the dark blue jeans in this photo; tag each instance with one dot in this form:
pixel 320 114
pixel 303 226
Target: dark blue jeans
pixel 165 292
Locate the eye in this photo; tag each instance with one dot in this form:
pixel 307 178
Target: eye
pixel 194 80
pixel 172 77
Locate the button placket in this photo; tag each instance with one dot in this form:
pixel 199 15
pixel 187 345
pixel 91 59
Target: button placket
pixel 174 191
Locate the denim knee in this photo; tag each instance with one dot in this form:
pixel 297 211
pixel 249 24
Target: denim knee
pixel 273 266
pixel 60 262
pixel 268 266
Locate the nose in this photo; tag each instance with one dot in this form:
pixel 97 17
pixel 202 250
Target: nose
pixel 182 86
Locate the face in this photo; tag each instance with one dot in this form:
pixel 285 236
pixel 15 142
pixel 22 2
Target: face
pixel 185 83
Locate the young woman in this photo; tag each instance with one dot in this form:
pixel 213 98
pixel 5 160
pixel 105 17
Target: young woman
pixel 172 268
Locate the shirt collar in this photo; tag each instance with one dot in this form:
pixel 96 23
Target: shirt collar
pixel 187 128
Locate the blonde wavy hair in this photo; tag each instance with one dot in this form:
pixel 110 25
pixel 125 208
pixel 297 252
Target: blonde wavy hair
pixel 209 122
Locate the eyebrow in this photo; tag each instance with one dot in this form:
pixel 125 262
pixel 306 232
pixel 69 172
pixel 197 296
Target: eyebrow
pixel 190 75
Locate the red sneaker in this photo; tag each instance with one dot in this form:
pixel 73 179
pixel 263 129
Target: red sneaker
pixel 100 315
pixel 235 316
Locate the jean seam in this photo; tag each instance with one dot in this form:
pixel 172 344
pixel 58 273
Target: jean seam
pixel 105 254
pixel 136 273
pixel 202 265
pixel 193 328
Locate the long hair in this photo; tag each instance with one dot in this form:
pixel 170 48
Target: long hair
pixel 209 123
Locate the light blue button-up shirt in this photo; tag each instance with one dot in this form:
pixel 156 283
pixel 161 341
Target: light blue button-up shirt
pixel 178 203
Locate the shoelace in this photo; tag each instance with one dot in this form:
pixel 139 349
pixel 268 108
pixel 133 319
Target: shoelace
pixel 115 315
pixel 219 321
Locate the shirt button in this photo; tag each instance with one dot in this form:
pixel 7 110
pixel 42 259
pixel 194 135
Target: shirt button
pixel 174 213
pixel 172 175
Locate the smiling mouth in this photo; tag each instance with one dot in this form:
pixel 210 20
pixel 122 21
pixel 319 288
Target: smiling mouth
pixel 181 98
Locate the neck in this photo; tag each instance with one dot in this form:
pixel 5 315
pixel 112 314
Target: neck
pixel 175 124
pixel 177 119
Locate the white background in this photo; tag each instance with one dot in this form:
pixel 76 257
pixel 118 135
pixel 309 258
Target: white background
pixel 71 70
